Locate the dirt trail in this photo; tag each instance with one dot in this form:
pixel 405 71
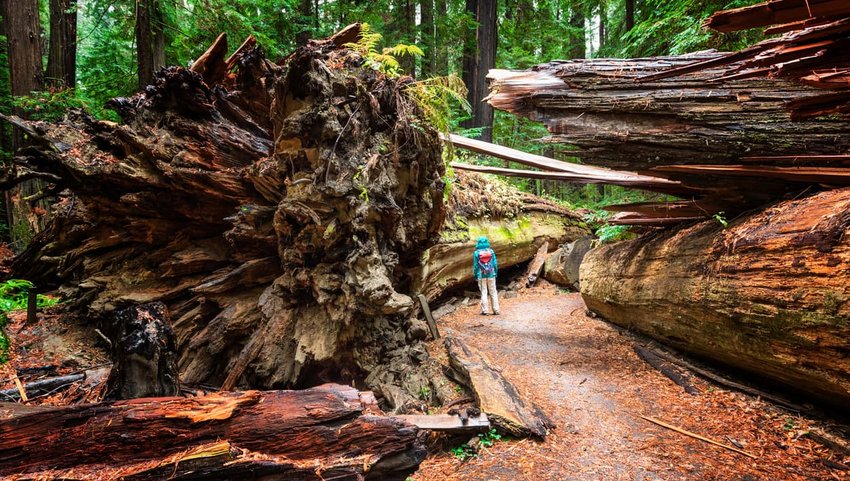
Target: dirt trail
pixel 586 376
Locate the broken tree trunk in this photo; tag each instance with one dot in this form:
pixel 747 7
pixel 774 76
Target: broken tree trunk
pixel 319 433
pixel 596 106
pixel 277 212
pixel 767 295
pixel 494 394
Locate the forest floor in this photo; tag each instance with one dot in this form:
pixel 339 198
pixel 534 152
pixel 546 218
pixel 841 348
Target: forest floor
pixel 586 376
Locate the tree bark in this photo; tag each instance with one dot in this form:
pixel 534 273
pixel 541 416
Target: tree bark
pixel 150 40
pixel 630 15
pixel 478 58
pixel 767 295
pixel 692 128
pixel 26 76
pixel 144 356
pixel 578 47
pixel 279 215
pixel 441 26
pixel 305 10
pixel 428 38
pixel 325 432
pixel 62 54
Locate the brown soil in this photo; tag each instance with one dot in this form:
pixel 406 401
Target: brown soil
pixel 586 376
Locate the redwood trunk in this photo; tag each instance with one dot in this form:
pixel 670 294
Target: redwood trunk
pixel 428 38
pixel 150 40
pixel 62 55
pixel 479 57
pixel 766 295
pixel 320 433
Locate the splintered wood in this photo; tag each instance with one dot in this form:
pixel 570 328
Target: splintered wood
pixel 724 126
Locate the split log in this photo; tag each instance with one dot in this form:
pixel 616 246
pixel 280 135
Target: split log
pixel 494 394
pixel 535 268
pixel 596 106
pixel 767 295
pixel 319 433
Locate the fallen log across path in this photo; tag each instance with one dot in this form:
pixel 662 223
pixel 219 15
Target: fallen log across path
pixel 326 432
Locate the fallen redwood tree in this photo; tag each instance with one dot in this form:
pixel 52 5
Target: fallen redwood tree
pixel 326 432
pixel 277 211
pixel 767 295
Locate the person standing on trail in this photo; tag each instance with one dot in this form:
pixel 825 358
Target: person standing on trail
pixel 484 268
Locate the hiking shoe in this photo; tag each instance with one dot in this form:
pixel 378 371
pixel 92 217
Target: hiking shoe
pixel 484 314
pixel 497 313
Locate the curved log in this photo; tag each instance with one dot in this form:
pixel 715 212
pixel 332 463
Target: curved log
pixel 767 295
pixel 314 434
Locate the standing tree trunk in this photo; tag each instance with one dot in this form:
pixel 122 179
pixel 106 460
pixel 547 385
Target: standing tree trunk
pixel 150 40
pixel 428 38
pixel 603 19
pixel 630 15
pixel 62 54
pixel 440 37
pixel 478 58
pixel 26 75
pixel 405 19
pixel 305 10
pixel 578 48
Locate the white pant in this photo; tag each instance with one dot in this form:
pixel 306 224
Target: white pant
pixel 488 291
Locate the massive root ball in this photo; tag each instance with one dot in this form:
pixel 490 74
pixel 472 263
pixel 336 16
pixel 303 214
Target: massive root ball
pixel 278 213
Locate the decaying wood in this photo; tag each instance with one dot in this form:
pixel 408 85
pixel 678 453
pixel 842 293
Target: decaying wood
pixel 144 355
pixel 494 394
pixel 429 318
pixel 535 267
pixel 40 387
pixel 664 368
pixel 766 295
pixel 325 432
pixel 596 106
pixel 280 214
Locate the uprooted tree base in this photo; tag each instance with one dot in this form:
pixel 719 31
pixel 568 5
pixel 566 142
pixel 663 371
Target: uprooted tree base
pixel 278 213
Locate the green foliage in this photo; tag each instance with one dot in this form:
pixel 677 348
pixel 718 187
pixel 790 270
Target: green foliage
pixel 384 61
pixel 425 393
pixel 14 295
pixel 463 452
pixel 49 105
pixel 490 437
pixel 720 218
pixel 439 99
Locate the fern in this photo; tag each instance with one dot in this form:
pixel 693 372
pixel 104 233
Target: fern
pixel 437 98
pixel 386 60
pixel 14 295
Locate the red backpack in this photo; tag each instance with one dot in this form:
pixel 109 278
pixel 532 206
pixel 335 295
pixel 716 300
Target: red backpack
pixel 485 261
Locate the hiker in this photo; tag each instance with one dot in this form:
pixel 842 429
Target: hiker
pixel 484 268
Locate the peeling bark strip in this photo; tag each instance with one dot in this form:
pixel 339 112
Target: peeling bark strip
pixel 277 214
pixel 314 434
pixel 494 394
pixel 766 295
